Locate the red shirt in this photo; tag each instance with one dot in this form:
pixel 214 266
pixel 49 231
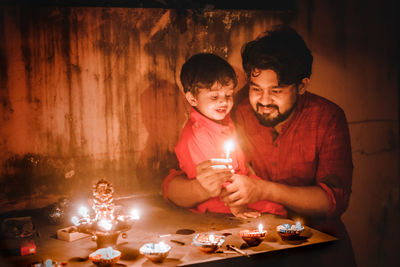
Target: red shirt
pixel 202 139
pixel 313 148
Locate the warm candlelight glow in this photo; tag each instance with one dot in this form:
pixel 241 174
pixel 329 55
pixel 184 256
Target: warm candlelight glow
pixel 211 238
pixel 83 211
pixel 135 214
pixel 229 146
pixel 105 224
pixel 260 227
pixel 75 220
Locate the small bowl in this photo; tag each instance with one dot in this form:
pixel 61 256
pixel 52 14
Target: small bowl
pixel 208 243
pixel 105 257
pixel 253 237
pixel 155 252
pixel 289 231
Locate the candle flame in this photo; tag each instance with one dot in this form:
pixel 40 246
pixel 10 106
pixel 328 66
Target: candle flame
pixel 211 238
pixel 105 224
pixel 260 227
pixel 135 214
pixel 75 220
pixel 229 146
pixel 84 211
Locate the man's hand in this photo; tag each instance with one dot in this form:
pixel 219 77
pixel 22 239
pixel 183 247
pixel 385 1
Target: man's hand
pixel 212 174
pixel 242 191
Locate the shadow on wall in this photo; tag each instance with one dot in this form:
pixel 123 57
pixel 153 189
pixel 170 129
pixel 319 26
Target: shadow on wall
pixel 163 114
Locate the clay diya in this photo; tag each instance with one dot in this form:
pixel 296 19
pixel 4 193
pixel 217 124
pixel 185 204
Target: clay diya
pixel 208 243
pixel 289 231
pixel 105 257
pixel 253 237
pixel 155 252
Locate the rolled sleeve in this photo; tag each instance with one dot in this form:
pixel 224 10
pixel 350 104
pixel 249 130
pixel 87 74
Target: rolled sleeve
pixel 334 174
pixel 171 175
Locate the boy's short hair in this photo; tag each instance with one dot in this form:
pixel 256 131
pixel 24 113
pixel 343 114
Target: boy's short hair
pixel 282 50
pixel 203 70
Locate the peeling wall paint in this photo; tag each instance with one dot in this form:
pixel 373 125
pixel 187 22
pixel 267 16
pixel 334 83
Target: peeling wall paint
pixel 90 92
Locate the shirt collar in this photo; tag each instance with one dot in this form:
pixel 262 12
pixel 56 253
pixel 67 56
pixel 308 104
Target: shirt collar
pixel 296 111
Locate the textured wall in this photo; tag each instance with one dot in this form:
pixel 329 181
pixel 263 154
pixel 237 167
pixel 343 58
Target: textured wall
pixel 356 51
pixel 91 92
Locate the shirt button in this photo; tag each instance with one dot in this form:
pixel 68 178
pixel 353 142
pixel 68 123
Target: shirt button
pixel 274 164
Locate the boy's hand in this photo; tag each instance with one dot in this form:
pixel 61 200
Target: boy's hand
pixel 244 213
pixel 242 190
pixel 212 173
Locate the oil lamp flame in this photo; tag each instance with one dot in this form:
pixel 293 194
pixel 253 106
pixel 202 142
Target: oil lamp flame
pixel 135 215
pixel 211 238
pixel 84 211
pixel 260 227
pixel 75 220
pixel 229 146
pixel 105 224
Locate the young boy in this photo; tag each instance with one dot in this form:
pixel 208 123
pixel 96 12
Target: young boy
pixel 208 82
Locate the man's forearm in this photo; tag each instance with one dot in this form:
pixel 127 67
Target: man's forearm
pixel 307 200
pixel 186 192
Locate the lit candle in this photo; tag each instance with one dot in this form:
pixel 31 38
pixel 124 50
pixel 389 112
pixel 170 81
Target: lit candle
pixel 211 238
pixel 135 215
pixel 260 228
pixel 298 225
pixel 109 252
pixel 229 146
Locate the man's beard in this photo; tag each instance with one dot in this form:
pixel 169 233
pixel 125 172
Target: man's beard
pixel 272 122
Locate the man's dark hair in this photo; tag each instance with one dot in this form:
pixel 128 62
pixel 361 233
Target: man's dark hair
pixel 203 70
pixel 282 50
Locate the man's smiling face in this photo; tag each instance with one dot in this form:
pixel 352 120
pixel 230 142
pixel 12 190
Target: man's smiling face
pixel 271 102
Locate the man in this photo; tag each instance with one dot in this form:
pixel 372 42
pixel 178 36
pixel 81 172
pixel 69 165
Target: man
pixel 296 141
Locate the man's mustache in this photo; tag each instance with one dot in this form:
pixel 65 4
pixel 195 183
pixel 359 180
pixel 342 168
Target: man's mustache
pixel 267 106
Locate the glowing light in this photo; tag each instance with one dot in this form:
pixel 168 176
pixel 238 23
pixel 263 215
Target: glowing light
pixel 211 238
pixel 105 224
pixel 135 214
pixel 260 227
pixel 108 253
pixel 75 220
pixel 229 146
pixel 84 211
pixel 298 225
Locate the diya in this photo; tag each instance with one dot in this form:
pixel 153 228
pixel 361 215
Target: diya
pixel 208 243
pixel 253 237
pixel 105 223
pixel 155 252
pixel 289 231
pixel 105 257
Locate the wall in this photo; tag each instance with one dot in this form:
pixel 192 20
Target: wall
pixel 355 49
pixel 92 92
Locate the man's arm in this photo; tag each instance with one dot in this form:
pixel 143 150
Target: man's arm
pixel 184 192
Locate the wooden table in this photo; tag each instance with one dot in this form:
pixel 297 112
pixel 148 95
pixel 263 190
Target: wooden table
pixel 159 218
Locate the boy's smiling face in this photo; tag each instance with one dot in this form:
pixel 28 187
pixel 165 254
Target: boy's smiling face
pixel 215 102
